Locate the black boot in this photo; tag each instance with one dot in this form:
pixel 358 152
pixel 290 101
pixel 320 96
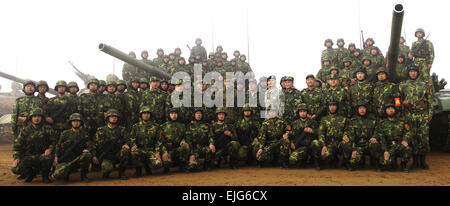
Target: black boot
pixel 423 162
pixel 375 164
pixel 67 177
pixel 415 163
pixel 317 163
pixel 233 163
pixel 21 177
pixel 105 176
pixel 285 163
pixel 138 172
pixel 166 170
pixel 148 170
pixel 45 178
pixel 348 165
pixel 404 167
pixel 122 175
pixel 83 175
pixel 183 168
pixel 29 178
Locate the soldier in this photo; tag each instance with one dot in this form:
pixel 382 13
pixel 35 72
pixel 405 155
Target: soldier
pixel 291 94
pixel 329 52
pixel 236 55
pixel 173 137
pixel 377 58
pixel 274 97
pixel 351 48
pixel 272 141
pixel 331 132
pixel 219 49
pixel 232 67
pixel 313 98
pixel 253 93
pixel 129 71
pixel 205 66
pixel 164 86
pixel 422 52
pixel 101 87
pixel 368 46
pixel 395 138
pixel 370 68
pixel 181 66
pixel 247 131
pixel 361 91
pixel 341 52
pixel 143 85
pixel 91 109
pixel 146 144
pixel 72 88
pixel 177 53
pixel 159 59
pixel 358 141
pixel 121 87
pixel 172 59
pixel 324 71
pixel 144 55
pixel 59 109
pixel 42 88
pixel 243 66
pixel 132 101
pixel 224 57
pixel 303 132
pixel 400 70
pixel 416 97
pixel 404 49
pixel 183 112
pixel 225 141
pixel 334 92
pixel 112 101
pixel 211 59
pixel 198 135
pixel 22 108
pixel 346 74
pixel 111 146
pixel 384 92
pixel 73 151
pixel 155 99
pixel 198 49
pixel 219 67
pixel 356 58
pixel 33 148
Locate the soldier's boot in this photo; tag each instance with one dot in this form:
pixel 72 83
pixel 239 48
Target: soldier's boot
pixel 348 165
pixel 83 175
pixel 166 170
pixel 21 177
pixel 423 162
pixel 183 168
pixel 67 177
pixel 45 178
pixel 285 163
pixel 148 170
pixel 375 164
pixel 30 177
pixel 404 167
pixel 415 163
pixel 233 163
pixel 317 163
pixel 219 162
pixel 362 165
pixel 122 174
pixel 138 172
pixel 105 175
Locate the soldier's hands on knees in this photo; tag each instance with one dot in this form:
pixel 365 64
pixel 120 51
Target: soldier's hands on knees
pixel 84 151
pixel 49 120
pixel 133 148
pixel 192 158
pixel 285 136
pixel 184 143
pixel 324 150
pixel 55 161
pixel 404 143
pixel 259 153
pixel 345 138
pixel 212 147
pixel 95 160
pixel 126 147
pixel 386 155
pixel 157 156
pixel 15 162
pixel 293 146
pixel 47 152
pixel 354 153
pixel 165 156
pixel 228 133
pixel 256 139
pixel 373 140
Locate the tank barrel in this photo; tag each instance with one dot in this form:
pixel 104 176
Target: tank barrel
pixel 141 65
pixel 394 46
pixel 22 81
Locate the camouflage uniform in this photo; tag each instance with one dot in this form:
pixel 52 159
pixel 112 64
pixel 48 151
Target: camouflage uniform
pixel 198 50
pixel 198 136
pixel 313 98
pixel 346 74
pixel 74 99
pixel 43 98
pixel 160 59
pixel 423 56
pixel 224 144
pixel 156 100
pixel 69 152
pixel 22 108
pixel 383 93
pixel 29 148
pixel 129 71
pixel 59 109
pixel 340 95
pixel 356 60
pixel 370 69
pixel 329 53
pixel 108 147
pixel 91 110
pixel 404 49
pixel 290 97
pixel 246 131
pixel 243 66
pixel 132 99
pixel 361 91
pixel 323 73
pixel 400 71
pixel 377 59
pixel 341 52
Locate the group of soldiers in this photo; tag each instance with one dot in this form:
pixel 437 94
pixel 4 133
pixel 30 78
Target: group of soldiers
pixel 134 123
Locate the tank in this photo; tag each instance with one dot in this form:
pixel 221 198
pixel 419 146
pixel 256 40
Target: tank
pixel 394 45
pixel 140 65
pixel 440 124
pixel 22 81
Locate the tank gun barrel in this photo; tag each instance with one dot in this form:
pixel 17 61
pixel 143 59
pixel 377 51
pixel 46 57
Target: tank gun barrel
pixel 141 65
pixel 22 81
pixel 394 46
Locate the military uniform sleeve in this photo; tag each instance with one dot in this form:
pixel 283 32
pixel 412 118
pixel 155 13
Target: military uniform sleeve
pixel 262 135
pixel 19 146
pixel 322 132
pixel 431 52
pixel 53 136
pixel 14 118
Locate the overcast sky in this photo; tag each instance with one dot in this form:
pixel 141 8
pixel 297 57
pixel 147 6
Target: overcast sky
pixel 38 38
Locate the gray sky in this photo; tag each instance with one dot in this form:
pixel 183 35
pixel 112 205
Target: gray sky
pixel 285 37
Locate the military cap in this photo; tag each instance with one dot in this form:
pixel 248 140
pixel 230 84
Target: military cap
pixel 219 60
pixel 326 59
pixel 302 106
pixel 60 83
pixel 211 54
pixel 93 81
pixel 145 109
pixel 173 110
pixel 198 109
pixel 27 83
pixel 73 84
pixel 347 59
pixel 154 79
pixel 111 112
pixel 236 51
pixel 370 39
pixel 75 117
pixel 143 80
pixel 334 68
pixel 164 80
pixel 121 82
pixel 242 55
pixel 333 102
pixel 333 76
pixel 271 77
pixel 328 40
pixel 352 44
pixel 197 39
pixel 382 69
pixel 134 79
pixel 247 107
pixel 36 111
pixel 131 53
pixel 159 50
pixel 389 105
pixel 366 58
pixel 101 83
pixel 357 50
pixel 42 83
pixel 361 69
pixel 113 83
pixel 341 40
pixel 413 67
pixel 220 110
pixel 288 78
pixel 360 104
pixel 310 76
pixel 419 30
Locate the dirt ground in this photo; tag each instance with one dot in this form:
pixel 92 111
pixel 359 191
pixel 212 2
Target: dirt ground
pixel 439 174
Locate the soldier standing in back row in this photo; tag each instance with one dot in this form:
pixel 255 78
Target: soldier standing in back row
pixel 42 89
pixel 58 109
pixel 129 71
pixel 90 108
pixel 422 52
pixel 341 52
pixel 23 106
pixel 198 50
pixel 329 52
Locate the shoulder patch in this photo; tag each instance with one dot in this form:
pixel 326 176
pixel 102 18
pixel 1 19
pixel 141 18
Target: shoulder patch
pixel 288 127
pixel 407 127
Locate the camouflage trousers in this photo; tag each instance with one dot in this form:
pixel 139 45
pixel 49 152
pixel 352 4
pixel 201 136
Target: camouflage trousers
pixel 395 151
pixel 122 158
pixel 178 156
pixel 33 164
pixel 65 168
pixel 231 149
pixel 299 155
pixel 245 153
pixel 145 158
pixel 272 148
pixel 329 155
pixel 201 152
pixel 362 149
pixel 424 72
pixel 419 126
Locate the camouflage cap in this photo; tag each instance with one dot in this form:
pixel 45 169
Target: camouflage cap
pixel 360 104
pixel 370 39
pixel 111 112
pixel 145 109
pixel 328 40
pixel 326 58
pixel 109 83
pixel 61 83
pixel 143 80
pixel 101 83
pixel 134 79
pixel 154 79
pixel 302 106
pixel 361 69
pixel 334 68
pixel 310 76
pixel 389 105
pixel 341 40
pixel 289 78
pixel 382 69
pixel 36 111
pixel 351 44
pixel 121 82
pixel 75 117
pixel 220 110
pixel 211 54
pixel 72 84
pixel 42 83
pixel 347 59
pixel 247 107
pixel 419 30
pixel 197 39
pixel 93 81
pixel 144 52
pixel 29 82
pixel 171 110
pixel 333 102
pixel 333 76
pixel 366 58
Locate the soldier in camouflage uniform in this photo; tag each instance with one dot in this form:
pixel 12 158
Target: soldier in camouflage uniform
pixel 198 135
pixel 243 66
pixel 129 71
pixel 72 88
pixel 198 49
pixel 400 70
pixel 220 67
pixel 225 141
pixel 111 146
pixel 329 52
pixel 384 92
pixel 73 151
pixel 331 132
pixel 59 109
pixel 404 49
pixel 416 96
pixel 334 92
pixel 144 56
pixel 112 101
pixel 90 108
pixel 23 106
pixel 313 98
pixel 303 132
pixel 291 94
pixel 177 53
pixel 132 100
pixel 368 44
pixel 145 143
pixel 237 55
pixel 351 48
pixel 272 141
pixel 377 58
pixel 33 149
pixel 225 61
pixel 184 113
pixel 422 52
pixel 156 100
pixel 253 93
pixel 211 59
pixel 101 87
pixel 159 59
pixel 370 68
pixel 395 139
pixel 346 74
pixel 143 85
pixel 361 91
pixel 341 52
pixel 246 130
pixel 164 86
pixel 358 140
pixel 42 89
pixel 219 50
pixel 356 56
pixel 181 66
pixel 324 71
pixel 173 138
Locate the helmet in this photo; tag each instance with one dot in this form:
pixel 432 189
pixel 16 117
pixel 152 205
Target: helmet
pixel 237 52
pixel 121 82
pixel 247 108
pixel 36 111
pixel 159 50
pixel 145 109
pixel 351 44
pixel 60 83
pixel 419 30
pixel 347 59
pixel 310 76
pixel 328 40
pixel 366 58
pixel 72 84
pixel 341 40
pixel 219 46
pixel 42 83
pixel 101 83
pixel 144 52
pixel 211 54
pixel 289 78
pixel 154 79
pixel 333 76
pixel 242 55
pixel 413 67
pixel 164 80
pixel 361 69
pixel 197 39
pixel 93 81
pixel 333 102
pixel 326 59
pixel 302 106
pixel 75 117
pixel 382 69
pixel 27 83
pixel 370 39
pixel 111 112
pixel 113 83
pixel 252 81
pixel 143 80
pixel 220 110
pixel 334 68
pixel 131 53
pixel 173 110
pixel 387 106
pixel 360 104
